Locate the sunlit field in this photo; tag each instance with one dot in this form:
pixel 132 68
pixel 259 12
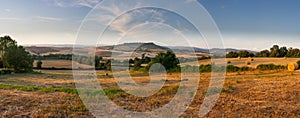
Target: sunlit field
pixel 52 93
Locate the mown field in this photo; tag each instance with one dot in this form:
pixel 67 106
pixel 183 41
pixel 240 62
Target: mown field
pixel 256 61
pixel 52 93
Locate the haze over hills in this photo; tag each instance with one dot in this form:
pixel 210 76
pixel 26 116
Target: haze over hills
pixel 151 49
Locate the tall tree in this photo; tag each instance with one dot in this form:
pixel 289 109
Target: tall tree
pixel 283 51
pixel 19 59
pixel 168 60
pixel 274 51
pixel 264 53
pixel 5 43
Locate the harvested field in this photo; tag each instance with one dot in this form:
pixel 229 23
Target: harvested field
pixel 246 94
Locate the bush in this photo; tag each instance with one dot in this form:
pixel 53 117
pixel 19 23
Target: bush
pixel 205 68
pixel 270 67
pixel 4 72
pixel 232 68
pixel 298 62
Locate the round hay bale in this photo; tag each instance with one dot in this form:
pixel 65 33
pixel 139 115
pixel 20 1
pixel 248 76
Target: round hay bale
pixel 239 58
pixel 292 66
pixel 248 63
pixel 250 59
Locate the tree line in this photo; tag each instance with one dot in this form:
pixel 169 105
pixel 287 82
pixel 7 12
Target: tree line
pixel 274 51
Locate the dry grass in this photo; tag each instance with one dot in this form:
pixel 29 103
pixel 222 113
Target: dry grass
pixel 256 61
pixel 246 94
pixel 59 64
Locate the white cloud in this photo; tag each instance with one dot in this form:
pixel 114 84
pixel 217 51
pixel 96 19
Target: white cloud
pixel 10 19
pixel 77 3
pixel 48 19
pixel 122 24
pixel 189 1
pixel 7 10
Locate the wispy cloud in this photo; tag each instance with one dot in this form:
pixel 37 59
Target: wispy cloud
pixel 48 19
pixel 77 3
pixel 123 22
pixel 10 19
pixel 7 10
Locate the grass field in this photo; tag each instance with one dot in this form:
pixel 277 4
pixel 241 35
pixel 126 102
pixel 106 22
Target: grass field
pixel 59 64
pixel 251 94
pixel 256 61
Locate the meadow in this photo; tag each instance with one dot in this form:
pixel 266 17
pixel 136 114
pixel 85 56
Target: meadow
pixel 254 93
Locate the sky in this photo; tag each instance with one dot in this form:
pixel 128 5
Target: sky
pixel 244 24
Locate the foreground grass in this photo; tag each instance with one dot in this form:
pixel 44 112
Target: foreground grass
pixel 33 88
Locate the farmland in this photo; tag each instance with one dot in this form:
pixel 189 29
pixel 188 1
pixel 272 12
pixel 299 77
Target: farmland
pixel 252 93
pixel 256 61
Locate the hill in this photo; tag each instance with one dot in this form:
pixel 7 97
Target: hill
pixel 150 49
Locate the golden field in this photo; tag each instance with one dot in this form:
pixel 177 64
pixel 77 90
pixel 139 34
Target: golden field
pixel 52 93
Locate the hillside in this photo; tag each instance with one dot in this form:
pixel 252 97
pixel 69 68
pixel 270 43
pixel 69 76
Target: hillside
pixel 150 49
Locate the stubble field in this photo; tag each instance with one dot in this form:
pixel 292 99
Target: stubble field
pixel 245 94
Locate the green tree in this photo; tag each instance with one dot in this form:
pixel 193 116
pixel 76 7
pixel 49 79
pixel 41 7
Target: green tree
pixel 168 60
pixel 19 59
pixel 39 64
pixel 98 61
pixel 283 51
pixel 293 52
pixel 137 63
pixel 5 43
pixel 245 53
pixel 108 65
pixel 232 54
pixel 274 51
pixel 264 53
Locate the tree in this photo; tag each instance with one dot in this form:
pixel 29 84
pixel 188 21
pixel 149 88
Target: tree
pixel 232 54
pixel 98 61
pixel 131 61
pixel 274 51
pixel 39 64
pixel 146 60
pixel 137 63
pixel 293 52
pixel 5 43
pixel 19 59
pixel 1 63
pixel 264 53
pixel 108 65
pixel 168 60
pixel 283 51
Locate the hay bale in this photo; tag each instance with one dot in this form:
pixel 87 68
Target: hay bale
pixel 250 59
pixel 292 66
pixel 239 58
pixel 248 63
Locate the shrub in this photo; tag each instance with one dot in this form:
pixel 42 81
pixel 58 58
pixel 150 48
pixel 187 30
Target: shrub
pixel 232 68
pixel 205 68
pixel 298 62
pixel 270 67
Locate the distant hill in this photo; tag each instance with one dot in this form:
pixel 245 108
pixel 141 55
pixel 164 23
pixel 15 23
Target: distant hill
pixel 188 49
pixel 150 48
pixel 229 50
pixel 139 47
pixel 49 50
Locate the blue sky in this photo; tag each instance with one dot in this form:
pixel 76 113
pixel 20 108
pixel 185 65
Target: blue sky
pixel 244 24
